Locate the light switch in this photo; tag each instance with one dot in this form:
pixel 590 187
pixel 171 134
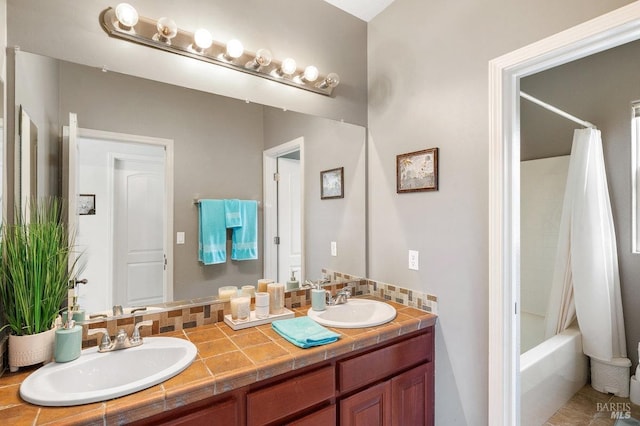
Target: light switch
pixel 179 237
pixel 334 248
pixel 414 261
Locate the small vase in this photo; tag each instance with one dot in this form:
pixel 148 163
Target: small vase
pixel 31 349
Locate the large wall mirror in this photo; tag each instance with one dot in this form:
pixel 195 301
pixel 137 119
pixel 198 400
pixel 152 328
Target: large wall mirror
pixel 218 147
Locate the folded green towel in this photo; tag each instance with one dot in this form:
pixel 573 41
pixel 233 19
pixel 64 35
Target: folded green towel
pixel 304 332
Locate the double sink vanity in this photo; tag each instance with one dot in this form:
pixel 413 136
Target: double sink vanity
pixel 381 368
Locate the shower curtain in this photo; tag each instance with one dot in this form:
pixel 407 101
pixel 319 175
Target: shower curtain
pixel 586 282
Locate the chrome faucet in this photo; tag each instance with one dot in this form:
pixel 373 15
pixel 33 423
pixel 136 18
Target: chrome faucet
pixel 122 340
pixel 342 296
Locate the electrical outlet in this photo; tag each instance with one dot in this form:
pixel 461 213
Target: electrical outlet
pixel 334 248
pixel 179 237
pixel 414 260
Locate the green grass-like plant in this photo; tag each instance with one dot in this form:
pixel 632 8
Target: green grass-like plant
pixel 35 271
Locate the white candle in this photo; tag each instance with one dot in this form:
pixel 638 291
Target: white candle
pixel 226 293
pixel 262 284
pixel 240 309
pixel 262 305
pixel 249 290
pixel 276 298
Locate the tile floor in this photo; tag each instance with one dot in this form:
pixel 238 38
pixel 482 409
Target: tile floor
pixel 589 407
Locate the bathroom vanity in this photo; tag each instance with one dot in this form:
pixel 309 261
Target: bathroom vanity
pixel 376 375
pixel 390 383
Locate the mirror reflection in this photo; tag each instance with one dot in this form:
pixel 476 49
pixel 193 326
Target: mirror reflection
pixel 219 150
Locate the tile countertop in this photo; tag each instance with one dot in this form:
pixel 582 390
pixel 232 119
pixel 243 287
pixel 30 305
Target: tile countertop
pixel 226 360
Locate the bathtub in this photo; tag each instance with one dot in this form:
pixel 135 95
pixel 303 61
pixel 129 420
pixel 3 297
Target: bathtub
pixel 550 374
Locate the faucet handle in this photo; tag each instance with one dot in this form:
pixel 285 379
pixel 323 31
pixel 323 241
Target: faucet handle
pixel 135 337
pixel 106 340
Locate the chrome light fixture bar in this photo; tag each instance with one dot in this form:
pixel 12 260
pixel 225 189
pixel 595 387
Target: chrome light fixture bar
pixel 123 22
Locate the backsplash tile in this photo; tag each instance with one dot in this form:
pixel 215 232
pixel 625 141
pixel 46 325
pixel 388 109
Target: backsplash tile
pixel 210 310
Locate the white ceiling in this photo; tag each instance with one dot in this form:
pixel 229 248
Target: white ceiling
pixel 363 9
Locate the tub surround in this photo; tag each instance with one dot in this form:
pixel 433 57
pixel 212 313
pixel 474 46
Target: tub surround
pixel 227 361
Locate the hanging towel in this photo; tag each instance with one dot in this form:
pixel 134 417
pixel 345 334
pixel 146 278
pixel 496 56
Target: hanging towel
pixel 232 215
pixel 304 332
pixel 244 241
pixel 212 232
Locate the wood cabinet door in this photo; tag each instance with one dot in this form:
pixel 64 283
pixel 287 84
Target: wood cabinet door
pixel 412 397
pixel 369 407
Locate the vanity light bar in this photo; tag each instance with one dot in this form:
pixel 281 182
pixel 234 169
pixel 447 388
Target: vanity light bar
pixel 123 22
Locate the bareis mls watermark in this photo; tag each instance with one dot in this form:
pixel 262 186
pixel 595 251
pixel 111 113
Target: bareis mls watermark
pixel 618 410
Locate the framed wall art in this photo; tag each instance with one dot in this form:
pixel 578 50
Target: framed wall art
pixel 86 204
pixel 417 171
pixel 332 183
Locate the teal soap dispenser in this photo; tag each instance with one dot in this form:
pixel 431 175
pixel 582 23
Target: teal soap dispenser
pixel 68 341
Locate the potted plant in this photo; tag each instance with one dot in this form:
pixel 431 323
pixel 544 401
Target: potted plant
pixel 34 280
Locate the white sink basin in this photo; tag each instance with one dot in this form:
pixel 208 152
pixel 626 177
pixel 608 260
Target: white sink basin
pixel 356 313
pixel 100 376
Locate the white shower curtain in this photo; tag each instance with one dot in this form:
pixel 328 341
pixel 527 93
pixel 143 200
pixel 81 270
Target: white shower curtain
pixel 586 281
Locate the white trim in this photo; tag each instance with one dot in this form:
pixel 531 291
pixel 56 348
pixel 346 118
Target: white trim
pixel 612 29
pixel 270 195
pixel 168 147
pixel 635 164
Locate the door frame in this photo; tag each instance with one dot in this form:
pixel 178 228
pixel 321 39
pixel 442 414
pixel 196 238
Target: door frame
pixel 270 210
pixel 601 33
pixel 167 144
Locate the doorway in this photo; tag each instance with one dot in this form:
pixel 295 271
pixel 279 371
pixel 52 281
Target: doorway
pixel 125 238
pixel 284 211
pixel 602 33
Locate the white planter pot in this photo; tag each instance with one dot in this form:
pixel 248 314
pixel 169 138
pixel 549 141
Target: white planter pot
pixel 31 349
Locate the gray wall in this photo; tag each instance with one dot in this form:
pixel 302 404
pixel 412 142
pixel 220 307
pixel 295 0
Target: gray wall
pixel 328 145
pixel 37 92
pixel 311 31
pixel 598 89
pixel 217 149
pixel 428 87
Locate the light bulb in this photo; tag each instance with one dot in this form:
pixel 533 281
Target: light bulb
pixel 262 59
pixel 288 66
pixel 310 73
pixel 126 15
pixel 167 29
pixel 202 39
pixel 331 80
pixel 234 49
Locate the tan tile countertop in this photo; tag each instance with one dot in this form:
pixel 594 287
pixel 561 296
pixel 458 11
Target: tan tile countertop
pixel 226 360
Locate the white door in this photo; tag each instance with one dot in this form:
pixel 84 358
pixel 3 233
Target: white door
pixel 289 219
pixel 138 232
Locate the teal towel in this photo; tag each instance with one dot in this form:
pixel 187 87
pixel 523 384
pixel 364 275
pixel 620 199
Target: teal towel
pixel 304 332
pixel 212 232
pixel 244 241
pixel 232 216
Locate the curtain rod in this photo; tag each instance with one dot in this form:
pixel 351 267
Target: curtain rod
pixel 557 110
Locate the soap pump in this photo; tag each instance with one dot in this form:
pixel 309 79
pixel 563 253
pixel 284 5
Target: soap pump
pixel 68 340
pixel 293 283
pixel 318 298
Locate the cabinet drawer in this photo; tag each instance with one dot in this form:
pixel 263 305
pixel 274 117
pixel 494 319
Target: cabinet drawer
pixel 324 417
pixel 362 370
pixel 284 399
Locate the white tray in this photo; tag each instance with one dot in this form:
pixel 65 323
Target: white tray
pixel 253 321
